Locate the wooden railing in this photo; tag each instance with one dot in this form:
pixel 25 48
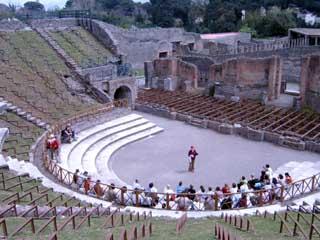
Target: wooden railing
pixel 129 197
pixel 307 232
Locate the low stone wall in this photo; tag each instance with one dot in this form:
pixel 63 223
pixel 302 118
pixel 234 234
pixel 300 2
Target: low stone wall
pixel 106 72
pixel 102 33
pixel 235 129
pixel 54 23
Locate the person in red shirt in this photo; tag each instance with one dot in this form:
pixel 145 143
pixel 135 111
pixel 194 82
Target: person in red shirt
pixel 192 154
pixel 53 147
pixel 226 189
pixel 86 185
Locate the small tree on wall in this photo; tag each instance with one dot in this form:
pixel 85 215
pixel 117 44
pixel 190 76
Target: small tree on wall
pixel 34 6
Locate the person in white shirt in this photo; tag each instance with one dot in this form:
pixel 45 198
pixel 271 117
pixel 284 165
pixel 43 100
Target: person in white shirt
pixel 137 186
pixel 269 171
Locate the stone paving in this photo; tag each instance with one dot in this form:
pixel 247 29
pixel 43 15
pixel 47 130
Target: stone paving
pixel 162 159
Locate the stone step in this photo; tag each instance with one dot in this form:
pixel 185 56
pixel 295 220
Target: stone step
pixel 80 150
pixel 88 159
pixel 105 173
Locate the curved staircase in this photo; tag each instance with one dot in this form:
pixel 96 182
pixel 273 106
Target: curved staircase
pixel 95 146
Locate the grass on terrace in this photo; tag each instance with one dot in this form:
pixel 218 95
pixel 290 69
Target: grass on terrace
pixel 22 135
pixel 32 77
pixel 266 229
pixel 82 47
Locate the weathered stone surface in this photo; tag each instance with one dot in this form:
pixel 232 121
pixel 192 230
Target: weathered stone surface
pixel 313 146
pixel 139 45
pixel 213 125
pixel 3 107
pixel 4 132
pixel 182 117
pixel 256 135
pixel 240 130
pixel 272 137
pixel 173 115
pixel 293 143
pixel 225 128
pixel 151 110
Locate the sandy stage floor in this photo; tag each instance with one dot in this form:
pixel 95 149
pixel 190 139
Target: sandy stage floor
pixel 162 159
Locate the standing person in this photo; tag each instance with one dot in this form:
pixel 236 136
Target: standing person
pixel 192 154
pixel 53 147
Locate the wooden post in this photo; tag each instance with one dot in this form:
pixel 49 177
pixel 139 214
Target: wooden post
pixel 33 229
pixel 4 227
pixel 112 220
pixel 73 223
pixel 143 230
pixel 150 229
pixel 168 201
pixel 122 197
pixel 122 219
pixel 216 199
pixel 313 187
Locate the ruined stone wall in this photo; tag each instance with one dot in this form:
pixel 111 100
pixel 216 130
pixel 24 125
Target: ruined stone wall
pixel 188 75
pixel 139 45
pixel 247 78
pixel 171 74
pixel 310 82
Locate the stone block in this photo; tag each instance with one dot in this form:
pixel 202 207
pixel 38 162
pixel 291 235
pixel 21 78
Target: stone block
pixel 189 119
pixel 213 125
pixel 293 143
pixel 313 146
pixel 182 117
pixel 238 129
pixel 205 123
pixel 225 128
pixel 3 107
pixel 272 137
pixel 173 115
pixel 256 135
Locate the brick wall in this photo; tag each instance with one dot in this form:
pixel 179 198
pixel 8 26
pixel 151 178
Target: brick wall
pixel 310 81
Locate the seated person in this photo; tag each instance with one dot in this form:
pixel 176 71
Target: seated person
pixel 110 194
pixel 67 134
pixel 98 189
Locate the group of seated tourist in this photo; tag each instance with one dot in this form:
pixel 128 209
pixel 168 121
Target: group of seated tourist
pixel 247 192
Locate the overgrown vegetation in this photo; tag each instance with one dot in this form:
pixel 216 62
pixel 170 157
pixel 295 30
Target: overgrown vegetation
pixel 264 18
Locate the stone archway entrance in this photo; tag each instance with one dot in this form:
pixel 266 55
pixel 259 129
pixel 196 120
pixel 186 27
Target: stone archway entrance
pixel 123 92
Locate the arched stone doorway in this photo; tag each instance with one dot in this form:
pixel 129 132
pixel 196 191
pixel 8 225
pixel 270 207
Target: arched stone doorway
pixel 123 92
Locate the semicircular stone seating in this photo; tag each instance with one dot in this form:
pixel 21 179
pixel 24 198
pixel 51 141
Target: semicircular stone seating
pixel 95 146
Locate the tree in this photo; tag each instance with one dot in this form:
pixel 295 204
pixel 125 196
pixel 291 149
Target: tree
pixel 34 6
pixel 222 16
pixel 275 23
pixel 162 12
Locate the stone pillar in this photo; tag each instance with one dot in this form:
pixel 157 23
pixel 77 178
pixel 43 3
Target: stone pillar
pixel 304 78
pixel 148 73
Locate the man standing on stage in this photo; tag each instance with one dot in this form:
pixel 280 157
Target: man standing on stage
pixel 192 158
